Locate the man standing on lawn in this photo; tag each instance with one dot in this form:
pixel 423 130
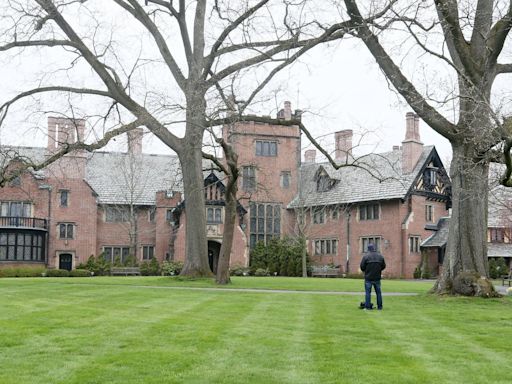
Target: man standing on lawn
pixel 372 265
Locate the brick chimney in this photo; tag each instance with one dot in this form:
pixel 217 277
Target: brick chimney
pixel 310 156
pixel 135 140
pixel 412 147
pixel 62 131
pixel 343 145
pixel 286 112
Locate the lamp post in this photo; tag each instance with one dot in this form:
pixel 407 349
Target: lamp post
pixel 49 189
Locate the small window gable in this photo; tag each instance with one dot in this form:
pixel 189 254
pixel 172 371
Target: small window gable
pixel 323 181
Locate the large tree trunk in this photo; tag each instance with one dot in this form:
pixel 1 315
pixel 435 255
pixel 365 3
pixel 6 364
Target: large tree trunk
pixel 190 155
pixel 465 269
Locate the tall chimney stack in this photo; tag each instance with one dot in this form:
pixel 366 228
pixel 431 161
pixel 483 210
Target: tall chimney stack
pixel 286 112
pixel 343 145
pixel 412 147
pixel 310 156
pixel 135 140
pixel 62 130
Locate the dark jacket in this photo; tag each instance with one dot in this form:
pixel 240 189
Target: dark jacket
pixel 372 264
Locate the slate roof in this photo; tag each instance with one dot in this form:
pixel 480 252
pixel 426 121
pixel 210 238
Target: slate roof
pixel 440 236
pixel 356 184
pixel 107 174
pixel 110 175
pixel 499 250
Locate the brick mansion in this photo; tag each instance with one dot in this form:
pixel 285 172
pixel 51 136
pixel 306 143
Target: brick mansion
pixel 131 204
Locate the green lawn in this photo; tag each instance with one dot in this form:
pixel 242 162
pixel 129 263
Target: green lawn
pixel 120 330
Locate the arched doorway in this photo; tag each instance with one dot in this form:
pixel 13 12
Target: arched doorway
pixel 66 261
pixel 213 255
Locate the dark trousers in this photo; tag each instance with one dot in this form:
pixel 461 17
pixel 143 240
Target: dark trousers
pixel 368 290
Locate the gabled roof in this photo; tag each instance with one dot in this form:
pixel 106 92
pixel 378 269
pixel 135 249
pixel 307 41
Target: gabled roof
pixel 440 237
pixel 108 174
pixel 355 184
pixel 120 178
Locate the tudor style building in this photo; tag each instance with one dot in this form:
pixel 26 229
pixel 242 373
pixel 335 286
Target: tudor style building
pixel 121 204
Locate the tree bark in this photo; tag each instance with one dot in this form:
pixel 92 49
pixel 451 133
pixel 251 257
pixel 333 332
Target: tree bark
pixel 466 250
pixel 190 155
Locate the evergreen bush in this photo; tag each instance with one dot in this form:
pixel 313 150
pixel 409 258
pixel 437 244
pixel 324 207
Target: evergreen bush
pixel 22 272
pixel 57 273
pixel 281 256
pixel 172 268
pixel 80 273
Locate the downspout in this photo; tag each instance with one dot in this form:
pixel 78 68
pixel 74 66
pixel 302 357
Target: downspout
pixel 403 237
pixel 347 267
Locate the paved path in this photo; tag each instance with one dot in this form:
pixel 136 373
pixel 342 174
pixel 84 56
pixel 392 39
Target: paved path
pixel 253 290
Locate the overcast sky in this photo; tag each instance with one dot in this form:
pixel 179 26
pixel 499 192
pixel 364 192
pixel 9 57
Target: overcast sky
pixel 339 87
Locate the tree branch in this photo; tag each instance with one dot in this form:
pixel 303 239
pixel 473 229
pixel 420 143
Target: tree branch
pixel 37 43
pixel 503 68
pixel 67 148
pixel 139 14
pixel 230 28
pixel 498 35
pixel 418 103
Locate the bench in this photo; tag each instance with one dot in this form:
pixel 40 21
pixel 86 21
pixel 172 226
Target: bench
pixel 506 279
pixel 125 271
pixel 325 271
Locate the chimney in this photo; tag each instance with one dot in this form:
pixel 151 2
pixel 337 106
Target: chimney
pixel 285 113
pixel 135 140
pixel 343 145
pixel 62 131
pixel 396 147
pixel 412 147
pixel 310 156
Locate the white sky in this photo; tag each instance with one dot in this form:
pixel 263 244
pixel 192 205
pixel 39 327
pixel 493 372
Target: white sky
pixel 339 87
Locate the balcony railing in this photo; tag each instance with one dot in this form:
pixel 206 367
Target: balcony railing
pixel 26 222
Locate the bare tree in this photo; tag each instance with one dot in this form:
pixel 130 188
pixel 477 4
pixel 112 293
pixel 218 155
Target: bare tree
pixel 219 42
pixel 473 36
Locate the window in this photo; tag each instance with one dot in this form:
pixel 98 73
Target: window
pixel 66 231
pixel 116 214
pixel 16 182
pixel 168 215
pixel 266 148
pixel 430 178
pixel 318 215
pixel 148 252
pixel 213 215
pixel 249 178
pixel 151 214
pixel 375 240
pixel 114 254
pixel 16 209
pixel 369 212
pixel 22 246
pixel 285 179
pixel 325 247
pixel 429 213
pixel 64 198
pixel 414 244
pixel 265 222
pixel 497 235
pixel 335 213
pixel 323 183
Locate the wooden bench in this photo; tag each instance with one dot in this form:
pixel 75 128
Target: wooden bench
pixel 125 271
pixel 506 279
pixel 325 271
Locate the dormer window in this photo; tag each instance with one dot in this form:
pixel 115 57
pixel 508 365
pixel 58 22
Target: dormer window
pixel 323 182
pixel 430 178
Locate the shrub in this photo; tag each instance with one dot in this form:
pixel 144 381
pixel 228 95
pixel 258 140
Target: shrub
pixel 98 265
pixel 57 273
pixel 417 273
pixel 497 268
pixel 281 256
pixel 22 272
pixel 80 273
pixel 172 268
pixel 425 274
pixel 261 272
pixel 130 262
pixel 150 268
